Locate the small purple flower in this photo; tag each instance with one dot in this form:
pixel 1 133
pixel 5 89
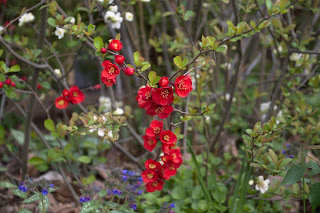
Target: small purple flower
pixel 171 211
pixel 22 188
pixel 133 206
pixel 51 185
pixel 124 178
pixel 283 152
pixel 289 156
pixel 140 192
pixel 288 145
pixel 139 178
pixel 119 192
pixel 114 191
pixel 44 191
pixel 87 199
pixel 173 205
pixel 125 172
pixel 109 192
pixel 82 200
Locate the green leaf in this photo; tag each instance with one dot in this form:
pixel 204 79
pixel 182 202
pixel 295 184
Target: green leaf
pixel 19 193
pixel 185 62
pixel 45 202
pixel 168 13
pixel 49 125
pixel 136 57
pixel 145 67
pixel 33 198
pixel 2 134
pixel 211 40
pixel 188 15
pixel 84 159
pixel 269 5
pixel 1 51
pixel 35 161
pixel 294 174
pixel 253 24
pixel 98 43
pixel 314 197
pixel 91 28
pixel 52 22
pixel 273 157
pixel 102 193
pixel 5 184
pixel 89 207
pixel 283 162
pixel 178 61
pixel 14 68
pixel 24 211
pixel 221 48
pixel 152 76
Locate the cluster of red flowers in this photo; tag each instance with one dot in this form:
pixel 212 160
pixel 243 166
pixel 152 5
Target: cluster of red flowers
pixel 110 72
pixel 74 96
pixel 8 82
pixel 156 101
pixel 171 160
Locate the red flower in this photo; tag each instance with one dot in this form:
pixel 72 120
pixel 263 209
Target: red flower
pixel 8 81
pixel 162 173
pixel 61 103
pixel 166 148
pixel 165 158
pixel 65 93
pixel 167 137
pixel 3 1
pixel 1 84
pixel 76 96
pixel 110 70
pixel 108 82
pixel 13 84
pixel 156 185
pixel 154 129
pixel 144 97
pixel 115 45
pixel 171 169
pixel 175 156
pixel 162 111
pixel 152 164
pixel 163 96
pixel 39 86
pixel 149 143
pixel 103 50
pixel 149 176
pixel 119 59
pixel 183 85
pixel 163 81
pixel 129 71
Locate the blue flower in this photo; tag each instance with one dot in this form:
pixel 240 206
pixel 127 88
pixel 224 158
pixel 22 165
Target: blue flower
pixel 140 192
pixel 288 145
pixel 133 206
pixel 172 205
pixel 283 152
pixel 109 192
pixel 44 191
pixel 125 172
pixel 87 199
pixel 114 191
pixel 82 200
pixel 51 185
pixel 124 178
pixel 139 178
pixel 22 188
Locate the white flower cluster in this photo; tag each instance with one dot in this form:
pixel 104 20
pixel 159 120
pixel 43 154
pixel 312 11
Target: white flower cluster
pixel 105 104
pixel 25 18
pixel 264 107
pixel 115 18
pixel 101 131
pixel 262 185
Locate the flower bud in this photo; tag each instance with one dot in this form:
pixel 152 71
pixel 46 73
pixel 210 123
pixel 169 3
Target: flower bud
pixel 8 81
pixel 1 84
pixel 119 59
pixel 103 50
pixel 163 81
pixel 128 71
pixel 12 84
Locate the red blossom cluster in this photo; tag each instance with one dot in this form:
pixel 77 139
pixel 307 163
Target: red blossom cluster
pixel 8 82
pixel 110 71
pixel 171 160
pixel 74 96
pixel 156 101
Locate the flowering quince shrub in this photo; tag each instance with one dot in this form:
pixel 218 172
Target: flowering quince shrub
pixel 217 127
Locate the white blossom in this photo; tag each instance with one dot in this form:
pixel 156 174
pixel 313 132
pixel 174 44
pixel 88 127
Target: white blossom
pixel 101 132
pixel 295 56
pixel 72 20
pixel 59 32
pixel 118 111
pixel 57 72
pixel 25 18
pixel 262 185
pixel 251 182
pixel 265 106
pixel 114 18
pixel 145 0
pixel 113 8
pixel 129 16
pixel 1 28
pixel 105 103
